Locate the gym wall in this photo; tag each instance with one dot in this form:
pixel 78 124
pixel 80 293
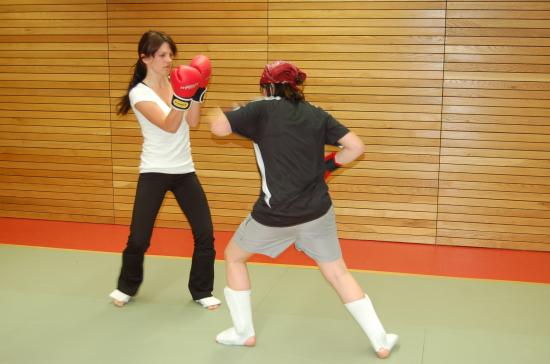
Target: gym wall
pixel 450 97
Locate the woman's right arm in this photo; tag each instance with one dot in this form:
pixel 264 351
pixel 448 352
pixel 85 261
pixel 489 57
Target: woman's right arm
pixel 155 115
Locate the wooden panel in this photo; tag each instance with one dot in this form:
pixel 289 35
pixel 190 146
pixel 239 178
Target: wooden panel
pixel 55 127
pixel 495 156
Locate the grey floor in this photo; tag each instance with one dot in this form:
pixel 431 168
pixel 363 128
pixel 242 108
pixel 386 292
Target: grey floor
pixel 54 309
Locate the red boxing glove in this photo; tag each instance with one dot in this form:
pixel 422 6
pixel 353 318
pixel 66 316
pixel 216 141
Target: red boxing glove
pixel 203 65
pixel 185 82
pixel 330 164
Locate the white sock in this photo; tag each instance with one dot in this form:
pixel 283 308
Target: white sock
pixel 241 314
pixel 363 312
pixel 119 296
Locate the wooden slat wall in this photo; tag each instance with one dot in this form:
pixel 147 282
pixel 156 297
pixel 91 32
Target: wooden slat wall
pixel 451 99
pixel 495 155
pixel 55 143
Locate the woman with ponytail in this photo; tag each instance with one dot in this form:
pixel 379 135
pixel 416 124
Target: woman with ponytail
pixel 165 107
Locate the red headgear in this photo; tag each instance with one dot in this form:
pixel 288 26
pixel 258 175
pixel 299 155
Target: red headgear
pixel 282 72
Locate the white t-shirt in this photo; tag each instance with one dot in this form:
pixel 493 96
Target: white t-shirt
pixel 162 152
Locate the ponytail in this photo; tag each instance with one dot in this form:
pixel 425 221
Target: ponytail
pixel 140 71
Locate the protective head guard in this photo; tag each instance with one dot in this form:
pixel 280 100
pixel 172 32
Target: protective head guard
pixel 282 72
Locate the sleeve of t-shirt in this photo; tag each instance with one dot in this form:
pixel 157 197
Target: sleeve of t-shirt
pixel 140 93
pixel 247 120
pixel 334 131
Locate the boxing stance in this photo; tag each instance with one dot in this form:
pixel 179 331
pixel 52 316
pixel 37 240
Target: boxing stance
pixel 165 108
pixel 289 136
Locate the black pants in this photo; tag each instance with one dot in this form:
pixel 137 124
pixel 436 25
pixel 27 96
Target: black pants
pixel 151 189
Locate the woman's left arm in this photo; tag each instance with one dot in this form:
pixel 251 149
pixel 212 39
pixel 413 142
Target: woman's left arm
pixel 193 114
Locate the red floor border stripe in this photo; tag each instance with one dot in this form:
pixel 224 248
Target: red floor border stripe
pixel 438 260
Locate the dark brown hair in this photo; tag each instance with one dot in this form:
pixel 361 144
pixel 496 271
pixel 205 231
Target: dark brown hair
pixel 285 91
pixel 149 44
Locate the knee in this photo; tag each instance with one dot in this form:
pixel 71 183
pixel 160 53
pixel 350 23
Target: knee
pixel 204 238
pixel 136 246
pixel 335 274
pixel 204 247
pixel 231 258
pixel 228 256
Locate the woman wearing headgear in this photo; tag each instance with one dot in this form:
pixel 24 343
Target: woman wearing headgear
pixel 289 136
pixel 165 108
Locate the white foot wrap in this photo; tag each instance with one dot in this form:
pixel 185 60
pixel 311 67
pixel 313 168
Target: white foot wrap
pixel 230 337
pixel 209 303
pixel 391 339
pixel 242 332
pixel 119 298
pixel 363 312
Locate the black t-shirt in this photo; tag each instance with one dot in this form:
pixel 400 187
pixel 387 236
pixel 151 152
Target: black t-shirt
pixel 289 142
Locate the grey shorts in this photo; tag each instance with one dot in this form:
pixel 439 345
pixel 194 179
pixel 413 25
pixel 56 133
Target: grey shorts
pixel 317 238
